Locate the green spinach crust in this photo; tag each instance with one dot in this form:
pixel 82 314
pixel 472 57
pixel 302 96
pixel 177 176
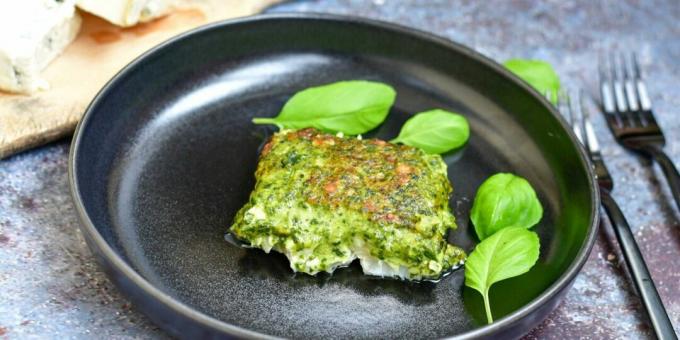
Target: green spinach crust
pixel 324 200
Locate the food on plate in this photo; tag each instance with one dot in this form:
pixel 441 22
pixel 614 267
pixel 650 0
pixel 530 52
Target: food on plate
pixel 351 107
pixel 127 13
pixel 358 106
pixel 505 206
pixel 32 34
pixel 324 200
pixel 507 253
pixel 539 74
pixel 434 131
pixel 504 200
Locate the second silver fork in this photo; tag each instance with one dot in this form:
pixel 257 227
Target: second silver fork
pixel 628 111
pixel 579 118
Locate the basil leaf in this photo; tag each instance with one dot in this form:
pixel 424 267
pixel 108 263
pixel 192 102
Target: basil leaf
pixel 538 74
pixel 502 201
pixel 350 107
pixel 508 253
pixel 435 131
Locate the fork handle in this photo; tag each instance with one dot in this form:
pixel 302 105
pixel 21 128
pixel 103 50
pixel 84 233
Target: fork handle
pixel 638 269
pixel 668 168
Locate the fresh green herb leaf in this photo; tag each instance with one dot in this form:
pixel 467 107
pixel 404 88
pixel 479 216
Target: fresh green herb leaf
pixel 538 74
pixel 502 201
pixel 434 131
pixel 508 253
pixel 351 107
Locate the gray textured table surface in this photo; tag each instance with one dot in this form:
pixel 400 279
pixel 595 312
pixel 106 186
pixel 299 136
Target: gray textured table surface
pixel 50 285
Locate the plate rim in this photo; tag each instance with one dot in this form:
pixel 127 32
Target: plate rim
pixel 114 259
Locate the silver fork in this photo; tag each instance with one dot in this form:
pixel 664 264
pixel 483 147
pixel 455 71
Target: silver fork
pixel 628 111
pixel 579 119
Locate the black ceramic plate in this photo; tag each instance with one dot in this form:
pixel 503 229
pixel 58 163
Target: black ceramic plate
pixel 166 153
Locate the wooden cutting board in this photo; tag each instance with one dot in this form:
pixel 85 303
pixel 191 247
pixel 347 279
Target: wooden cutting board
pixel 100 50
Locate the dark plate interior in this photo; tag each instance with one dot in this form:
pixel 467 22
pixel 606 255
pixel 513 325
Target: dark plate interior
pixel 167 153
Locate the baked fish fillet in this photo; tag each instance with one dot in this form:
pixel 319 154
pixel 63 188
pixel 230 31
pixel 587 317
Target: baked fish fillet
pixel 325 200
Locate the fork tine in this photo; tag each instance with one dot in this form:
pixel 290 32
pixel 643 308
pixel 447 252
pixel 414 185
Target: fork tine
pixel 645 103
pixel 605 85
pixel 607 89
pixel 566 108
pixel 592 143
pixel 628 84
pixel 574 117
pixel 560 100
pixel 562 107
pixel 619 95
pixel 637 74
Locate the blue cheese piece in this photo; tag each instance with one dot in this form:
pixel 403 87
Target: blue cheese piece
pixel 127 12
pixel 32 34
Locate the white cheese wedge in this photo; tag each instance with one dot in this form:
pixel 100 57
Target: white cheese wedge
pixel 127 12
pixel 32 34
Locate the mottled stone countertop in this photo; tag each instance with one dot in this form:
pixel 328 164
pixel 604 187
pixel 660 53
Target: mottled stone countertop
pixel 50 286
